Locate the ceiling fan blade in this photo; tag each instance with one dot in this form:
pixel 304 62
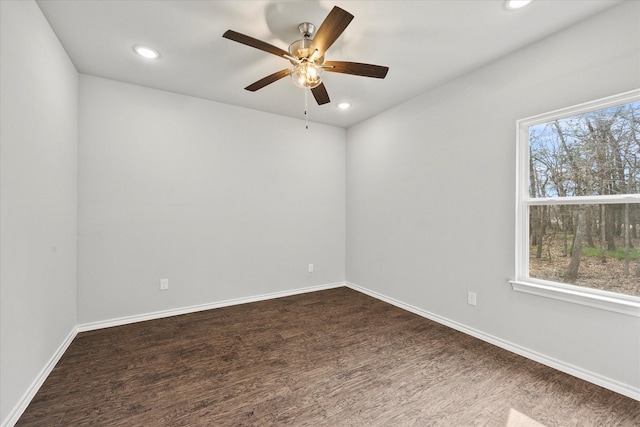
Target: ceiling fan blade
pixel 356 68
pixel 258 44
pixel 268 80
pixel 320 94
pixel 330 29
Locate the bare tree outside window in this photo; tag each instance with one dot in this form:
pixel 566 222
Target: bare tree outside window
pixel 583 206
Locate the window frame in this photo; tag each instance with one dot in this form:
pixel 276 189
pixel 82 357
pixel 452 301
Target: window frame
pixel 606 300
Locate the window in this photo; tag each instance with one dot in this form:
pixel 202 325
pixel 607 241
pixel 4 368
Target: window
pixel 578 204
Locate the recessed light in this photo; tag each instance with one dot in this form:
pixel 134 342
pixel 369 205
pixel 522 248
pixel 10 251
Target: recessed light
pixel 146 52
pixel 344 105
pixel 516 4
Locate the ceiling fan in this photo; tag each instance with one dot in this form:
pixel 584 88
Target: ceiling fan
pixel 307 56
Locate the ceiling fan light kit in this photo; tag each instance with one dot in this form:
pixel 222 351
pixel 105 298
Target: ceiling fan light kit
pixel 307 56
pixel 307 68
pixel 306 75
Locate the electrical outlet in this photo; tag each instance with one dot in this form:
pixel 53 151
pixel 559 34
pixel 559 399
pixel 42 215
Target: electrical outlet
pixel 310 268
pixel 164 284
pixel 471 298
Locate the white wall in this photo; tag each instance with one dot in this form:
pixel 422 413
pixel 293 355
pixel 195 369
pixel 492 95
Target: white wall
pixel 431 196
pixel 224 202
pixel 38 197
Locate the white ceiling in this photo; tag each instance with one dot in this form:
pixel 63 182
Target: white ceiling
pixel 424 43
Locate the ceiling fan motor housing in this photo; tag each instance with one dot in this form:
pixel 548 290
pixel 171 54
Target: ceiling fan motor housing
pixel 300 49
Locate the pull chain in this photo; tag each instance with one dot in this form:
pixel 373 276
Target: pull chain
pixel 306 108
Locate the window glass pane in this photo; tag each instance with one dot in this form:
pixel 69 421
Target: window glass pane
pixel 595 246
pixel 595 153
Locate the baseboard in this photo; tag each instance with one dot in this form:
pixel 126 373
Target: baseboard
pixel 201 307
pixel 618 387
pixel 607 383
pixel 24 401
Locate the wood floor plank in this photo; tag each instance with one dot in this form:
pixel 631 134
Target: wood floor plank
pixel 328 358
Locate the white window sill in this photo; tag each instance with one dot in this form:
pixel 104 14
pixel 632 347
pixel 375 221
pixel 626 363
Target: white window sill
pixel 625 304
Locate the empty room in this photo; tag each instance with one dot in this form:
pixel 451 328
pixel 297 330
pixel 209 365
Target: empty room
pixel 320 213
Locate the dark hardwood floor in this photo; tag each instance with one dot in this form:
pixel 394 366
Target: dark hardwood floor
pixel 329 358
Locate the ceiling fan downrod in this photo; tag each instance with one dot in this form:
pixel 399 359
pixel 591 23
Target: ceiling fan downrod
pixel 307 29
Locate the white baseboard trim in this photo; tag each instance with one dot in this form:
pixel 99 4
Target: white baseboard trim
pixel 24 401
pixel 616 386
pixel 201 307
pixel 607 383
